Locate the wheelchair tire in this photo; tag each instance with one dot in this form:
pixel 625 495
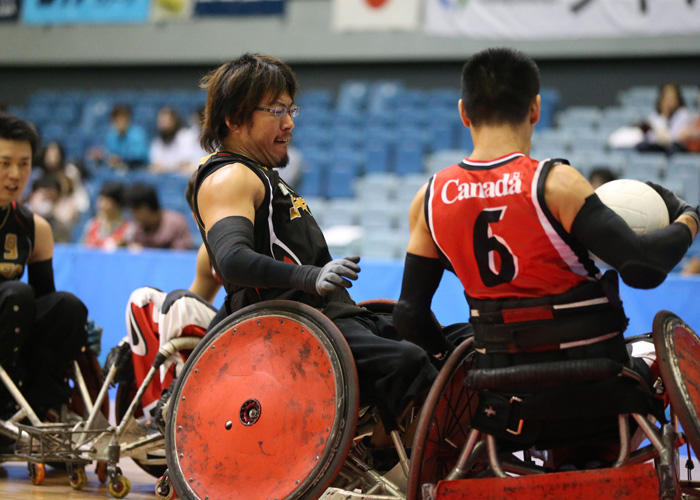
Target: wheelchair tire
pixel 265 408
pixel 678 355
pixel 125 394
pixel 444 423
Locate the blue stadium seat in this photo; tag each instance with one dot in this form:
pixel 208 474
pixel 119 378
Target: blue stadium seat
pixel 645 166
pixel 378 156
pixel 550 99
pixel 376 187
pixel 352 96
pixel 383 95
pixel 346 165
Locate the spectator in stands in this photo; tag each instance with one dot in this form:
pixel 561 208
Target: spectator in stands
pixel 664 127
pixel 109 229
pixel 172 150
pixel 691 135
pixel 192 133
pixel 126 144
pixel 601 175
pixel 74 197
pixel 45 200
pixel 156 227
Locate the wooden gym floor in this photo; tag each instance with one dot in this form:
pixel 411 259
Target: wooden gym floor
pixel 16 485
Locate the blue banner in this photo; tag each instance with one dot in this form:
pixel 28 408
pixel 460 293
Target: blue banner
pixel 238 7
pixel 85 11
pixel 9 10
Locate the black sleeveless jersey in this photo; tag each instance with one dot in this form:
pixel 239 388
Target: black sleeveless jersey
pixel 285 230
pixel 17 240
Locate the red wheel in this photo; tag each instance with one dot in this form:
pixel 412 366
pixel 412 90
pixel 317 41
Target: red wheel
pixel 265 408
pixel 101 471
pixel 444 423
pixel 678 355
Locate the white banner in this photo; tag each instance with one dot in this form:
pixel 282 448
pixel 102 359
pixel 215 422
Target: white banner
pixel 547 19
pixel 375 15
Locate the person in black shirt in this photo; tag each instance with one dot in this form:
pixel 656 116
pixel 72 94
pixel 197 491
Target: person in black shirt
pixel 263 240
pixel 41 330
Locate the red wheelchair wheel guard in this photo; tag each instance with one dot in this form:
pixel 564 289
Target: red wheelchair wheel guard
pixel 678 354
pixel 444 423
pixel 266 407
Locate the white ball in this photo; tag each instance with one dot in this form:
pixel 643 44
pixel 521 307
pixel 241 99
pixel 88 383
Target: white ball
pixel 636 202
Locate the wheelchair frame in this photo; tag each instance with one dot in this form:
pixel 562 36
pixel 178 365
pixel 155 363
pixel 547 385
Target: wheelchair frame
pixel 451 460
pixel 93 438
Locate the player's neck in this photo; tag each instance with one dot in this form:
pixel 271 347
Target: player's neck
pixel 495 141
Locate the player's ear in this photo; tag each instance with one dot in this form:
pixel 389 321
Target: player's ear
pixel 463 114
pixel 231 126
pixel 535 110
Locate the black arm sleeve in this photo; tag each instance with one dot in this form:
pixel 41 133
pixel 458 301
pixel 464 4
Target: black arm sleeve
pixel 231 241
pixel 642 261
pixel 412 315
pixel 40 277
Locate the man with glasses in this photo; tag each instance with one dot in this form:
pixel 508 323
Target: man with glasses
pixel 263 239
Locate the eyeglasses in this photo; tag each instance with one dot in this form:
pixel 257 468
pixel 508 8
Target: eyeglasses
pixel 281 111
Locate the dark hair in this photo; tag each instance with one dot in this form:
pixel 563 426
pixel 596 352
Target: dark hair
pixel 47 181
pixel 120 109
pixel 13 128
pixel 498 86
pixel 114 191
pixel 61 151
pixel 175 115
pixel 236 88
pixel 605 174
pixel 139 194
pixel 676 88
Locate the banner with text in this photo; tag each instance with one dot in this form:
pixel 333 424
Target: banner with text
pixel 238 7
pixel 85 11
pixel 9 10
pixel 552 19
pixel 375 15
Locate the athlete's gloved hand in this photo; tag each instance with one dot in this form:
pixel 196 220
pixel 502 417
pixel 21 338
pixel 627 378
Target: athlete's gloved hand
pixel 336 274
pixel 120 356
pixel 676 206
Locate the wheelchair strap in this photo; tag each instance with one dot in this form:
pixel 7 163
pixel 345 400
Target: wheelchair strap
pixel 587 314
pixel 523 417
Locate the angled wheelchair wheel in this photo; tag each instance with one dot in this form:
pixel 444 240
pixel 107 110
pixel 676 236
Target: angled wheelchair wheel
pixel 265 408
pixel 678 355
pixel 444 423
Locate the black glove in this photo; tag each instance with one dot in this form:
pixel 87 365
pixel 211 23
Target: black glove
pixel 120 356
pixel 336 274
pixel 676 206
pixel 94 337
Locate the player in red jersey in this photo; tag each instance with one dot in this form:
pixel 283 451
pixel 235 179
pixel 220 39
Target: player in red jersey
pixel 517 231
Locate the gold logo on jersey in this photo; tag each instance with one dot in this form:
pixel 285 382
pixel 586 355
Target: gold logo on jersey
pixel 298 204
pixel 11 271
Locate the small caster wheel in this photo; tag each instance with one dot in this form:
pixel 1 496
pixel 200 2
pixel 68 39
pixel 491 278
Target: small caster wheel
pixel 164 488
pixel 119 487
pixel 37 472
pixel 101 471
pixel 77 478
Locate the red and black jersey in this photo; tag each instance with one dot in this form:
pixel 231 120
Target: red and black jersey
pixel 491 222
pixel 17 240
